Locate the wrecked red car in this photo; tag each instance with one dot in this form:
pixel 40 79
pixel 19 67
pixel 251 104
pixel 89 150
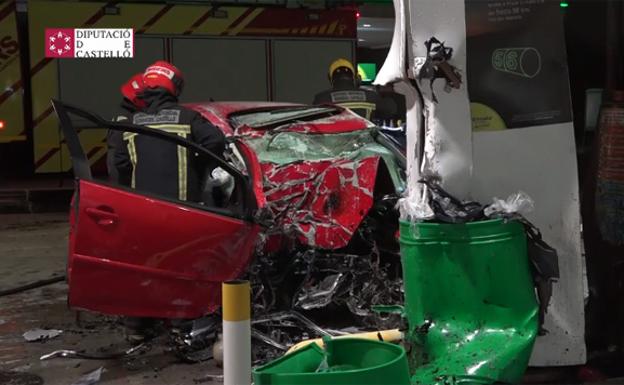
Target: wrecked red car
pixel 308 215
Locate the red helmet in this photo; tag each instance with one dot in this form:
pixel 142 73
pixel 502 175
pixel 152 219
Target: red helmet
pixel 132 88
pixel 165 75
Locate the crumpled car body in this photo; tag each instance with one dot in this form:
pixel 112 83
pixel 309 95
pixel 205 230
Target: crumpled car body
pixel 306 178
pixel 320 175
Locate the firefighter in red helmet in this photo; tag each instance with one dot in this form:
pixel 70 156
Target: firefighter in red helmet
pixel 131 91
pixel 129 105
pixel 157 166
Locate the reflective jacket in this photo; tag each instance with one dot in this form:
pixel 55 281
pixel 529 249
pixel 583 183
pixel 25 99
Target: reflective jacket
pixel 362 102
pixel 162 167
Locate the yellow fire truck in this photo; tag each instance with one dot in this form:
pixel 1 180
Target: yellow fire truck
pixel 234 52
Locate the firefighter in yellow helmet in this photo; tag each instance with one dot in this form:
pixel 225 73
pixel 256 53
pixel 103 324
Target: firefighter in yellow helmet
pixel 346 91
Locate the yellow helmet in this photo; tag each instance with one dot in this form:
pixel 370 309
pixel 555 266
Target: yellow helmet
pixel 339 63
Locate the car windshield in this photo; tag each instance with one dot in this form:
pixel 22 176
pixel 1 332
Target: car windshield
pixel 258 119
pixel 287 146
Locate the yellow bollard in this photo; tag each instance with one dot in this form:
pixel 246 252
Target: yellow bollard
pixel 236 333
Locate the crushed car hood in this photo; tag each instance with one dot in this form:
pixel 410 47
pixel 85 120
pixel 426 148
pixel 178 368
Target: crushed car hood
pixel 319 187
pixel 319 172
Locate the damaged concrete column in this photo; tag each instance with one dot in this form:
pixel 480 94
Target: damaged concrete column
pixel 439 134
pixel 530 149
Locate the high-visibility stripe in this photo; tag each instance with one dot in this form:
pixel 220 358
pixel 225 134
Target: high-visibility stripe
pixel 199 21
pixel 171 128
pixel 237 29
pixel 357 105
pixel 182 171
pixel 155 18
pixel 128 135
pixel 182 130
pixel 133 157
pixel 174 128
pixel 368 107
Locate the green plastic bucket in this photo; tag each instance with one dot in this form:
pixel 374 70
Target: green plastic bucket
pixel 348 361
pixel 469 301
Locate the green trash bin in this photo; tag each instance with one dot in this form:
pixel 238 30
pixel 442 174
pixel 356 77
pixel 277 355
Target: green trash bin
pixel 469 302
pixel 345 361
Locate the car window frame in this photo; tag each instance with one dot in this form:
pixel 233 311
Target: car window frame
pixel 82 168
pixel 330 110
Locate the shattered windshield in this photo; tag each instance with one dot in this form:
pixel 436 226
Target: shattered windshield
pixel 286 146
pixel 266 118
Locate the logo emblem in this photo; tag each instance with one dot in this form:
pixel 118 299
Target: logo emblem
pixel 59 42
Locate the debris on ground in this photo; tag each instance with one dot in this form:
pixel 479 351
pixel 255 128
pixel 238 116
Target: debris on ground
pixel 64 353
pixel 293 296
pixel 41 334
pixel 276 332
pixel 209 378
pixel 91 377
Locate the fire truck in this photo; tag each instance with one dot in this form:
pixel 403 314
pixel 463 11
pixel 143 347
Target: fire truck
pixel 271 50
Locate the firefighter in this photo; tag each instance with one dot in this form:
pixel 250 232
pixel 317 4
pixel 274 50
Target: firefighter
pixel 159 166
pixel 346 91
pixel 114 139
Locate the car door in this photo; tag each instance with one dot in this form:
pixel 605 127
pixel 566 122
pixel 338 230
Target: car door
pixel 133 253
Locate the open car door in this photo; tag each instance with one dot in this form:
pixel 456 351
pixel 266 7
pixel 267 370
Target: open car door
pixel 133 253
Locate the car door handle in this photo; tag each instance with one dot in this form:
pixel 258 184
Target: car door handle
pixel 103 215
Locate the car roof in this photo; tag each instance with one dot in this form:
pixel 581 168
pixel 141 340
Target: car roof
pixel 224 109
pixel 218 112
